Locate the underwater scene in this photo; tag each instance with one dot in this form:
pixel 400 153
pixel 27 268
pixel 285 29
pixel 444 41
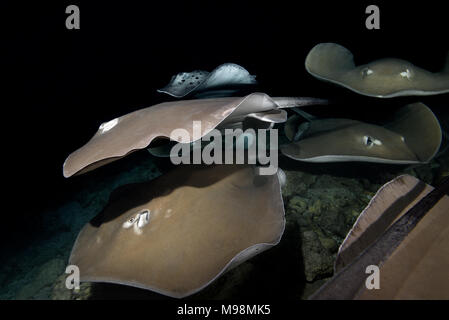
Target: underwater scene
pixel 228 151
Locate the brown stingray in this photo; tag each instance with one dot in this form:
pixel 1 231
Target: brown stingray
pixel 121 136
pixel 404 231
pixel 413 137
pixel 383 78
pixel 178 233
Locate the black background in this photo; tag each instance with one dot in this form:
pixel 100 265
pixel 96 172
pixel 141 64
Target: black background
pixel 61 84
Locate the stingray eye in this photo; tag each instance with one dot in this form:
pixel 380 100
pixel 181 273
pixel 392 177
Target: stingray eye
pixel 366 72
pixel 370 141
pixel 128 223
pixel 140 220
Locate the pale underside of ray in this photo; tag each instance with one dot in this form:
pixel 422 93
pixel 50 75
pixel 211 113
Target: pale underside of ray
pixel 224 76
pixel 121 136
pixel 417 267
pixel 413 137
pixel 385 78
pixel 202 221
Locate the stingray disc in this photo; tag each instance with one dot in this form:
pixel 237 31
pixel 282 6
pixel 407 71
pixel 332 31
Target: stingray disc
pixel 385 78
pixel 413 137
pixel 121 136
pixel 178 233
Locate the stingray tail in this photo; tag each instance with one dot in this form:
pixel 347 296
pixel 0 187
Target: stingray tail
pixel 292 102
pixel 307 116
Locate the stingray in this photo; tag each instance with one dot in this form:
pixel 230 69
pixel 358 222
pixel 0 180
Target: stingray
pixel 224 80
pixel 117 138
pixel 178 233
pixel 265 120
pixel 383 78
pixel 404 231
pixel 413 137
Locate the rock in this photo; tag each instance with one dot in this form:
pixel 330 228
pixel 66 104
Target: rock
pixel 330 244
pixel 318 262
pixel 297 183
pixel 333 223
pixel 61 292
pixel 297 205
pixel 423 172
pixel 44 277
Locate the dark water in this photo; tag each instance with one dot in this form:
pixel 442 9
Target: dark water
pixel 64 83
